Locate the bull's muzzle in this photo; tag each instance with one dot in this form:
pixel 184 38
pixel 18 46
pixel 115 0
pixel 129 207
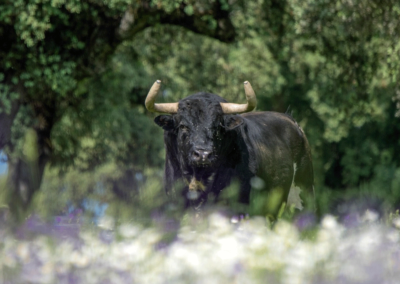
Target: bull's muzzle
pixel 202 157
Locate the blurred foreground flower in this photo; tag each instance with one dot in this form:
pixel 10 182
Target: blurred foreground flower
pixel 208 250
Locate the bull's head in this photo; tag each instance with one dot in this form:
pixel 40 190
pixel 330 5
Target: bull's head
pixel 202 124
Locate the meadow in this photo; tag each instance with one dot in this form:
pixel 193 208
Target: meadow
pixel 208 248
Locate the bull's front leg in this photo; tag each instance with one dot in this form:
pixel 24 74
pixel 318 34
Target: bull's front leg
pixel 270 191
pixel 174 179
pixel 169 178
pixel 244 191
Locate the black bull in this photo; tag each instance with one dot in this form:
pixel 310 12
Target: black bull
pixel 208 144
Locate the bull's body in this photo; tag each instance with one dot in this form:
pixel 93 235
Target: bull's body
pixel 267 145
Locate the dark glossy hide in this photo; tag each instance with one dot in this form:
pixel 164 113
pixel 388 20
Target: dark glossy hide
pixel 207 149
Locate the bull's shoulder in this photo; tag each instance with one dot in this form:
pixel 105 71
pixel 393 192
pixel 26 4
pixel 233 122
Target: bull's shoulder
pixel 270 117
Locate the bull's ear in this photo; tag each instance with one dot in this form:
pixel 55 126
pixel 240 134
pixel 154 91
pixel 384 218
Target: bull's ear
pixel 232 121
pixel 165 121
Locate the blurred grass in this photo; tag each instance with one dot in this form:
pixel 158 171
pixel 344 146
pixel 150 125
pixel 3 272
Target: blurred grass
pixel 62 191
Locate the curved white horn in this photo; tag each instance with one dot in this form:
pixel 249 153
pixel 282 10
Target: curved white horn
pixel 230 108
pixel 151 98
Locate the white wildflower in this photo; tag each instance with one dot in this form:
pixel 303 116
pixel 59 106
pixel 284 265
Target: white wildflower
pixel 329 222
pixel 129 230
pixel 23 251
pixel 396 222
pixel 370 216
pixel 219 225
pixel 393 236
pixel 106 223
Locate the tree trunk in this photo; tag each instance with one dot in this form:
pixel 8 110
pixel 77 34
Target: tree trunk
pixel 25 172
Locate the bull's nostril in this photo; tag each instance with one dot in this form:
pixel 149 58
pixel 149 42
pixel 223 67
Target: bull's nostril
pixel 196 155
pixel 205 155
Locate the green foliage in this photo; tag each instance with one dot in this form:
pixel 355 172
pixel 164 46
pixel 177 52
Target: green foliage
pixel 6 96
pixel 335 63
pixel 32 19
pixel 355 40
pixel 46 53
pixel 108 125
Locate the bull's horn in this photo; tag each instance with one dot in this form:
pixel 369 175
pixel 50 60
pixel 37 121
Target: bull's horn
pixel 228 108
pixel 153 107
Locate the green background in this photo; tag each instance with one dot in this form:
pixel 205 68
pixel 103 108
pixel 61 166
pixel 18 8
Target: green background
pixel 74 76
